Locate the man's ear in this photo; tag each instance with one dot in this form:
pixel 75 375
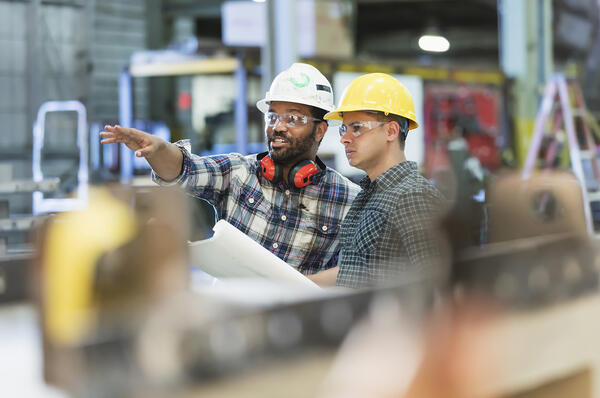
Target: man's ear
pixel 392 130
pixel 321 130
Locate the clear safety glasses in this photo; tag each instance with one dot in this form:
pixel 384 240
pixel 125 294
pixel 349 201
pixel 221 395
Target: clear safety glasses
pixel 290 120
pixel 359 128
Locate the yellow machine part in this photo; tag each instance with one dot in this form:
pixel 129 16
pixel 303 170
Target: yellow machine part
pixel 74 243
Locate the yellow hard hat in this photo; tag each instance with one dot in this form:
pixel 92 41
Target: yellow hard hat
pixel 377 92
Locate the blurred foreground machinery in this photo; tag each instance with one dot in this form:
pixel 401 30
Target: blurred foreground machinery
pixel 101 268
pixel 542 242
pixel 538 251
pixel 119 317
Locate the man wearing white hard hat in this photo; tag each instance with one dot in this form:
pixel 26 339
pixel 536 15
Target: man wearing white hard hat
pixel 286 199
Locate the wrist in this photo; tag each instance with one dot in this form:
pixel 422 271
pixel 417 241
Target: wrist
pixel 160 146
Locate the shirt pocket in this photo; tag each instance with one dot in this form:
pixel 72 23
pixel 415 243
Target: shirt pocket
pixel 251 211
pixel 314 236
pixel 369 230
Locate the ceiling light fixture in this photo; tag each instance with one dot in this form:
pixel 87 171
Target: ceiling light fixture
pixel 434 43
pixel 432 39
pixel 259 1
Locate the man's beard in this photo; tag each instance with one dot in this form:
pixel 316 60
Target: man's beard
pixel 296 150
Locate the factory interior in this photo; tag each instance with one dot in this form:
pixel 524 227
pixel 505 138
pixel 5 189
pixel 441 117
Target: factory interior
pixel 120 279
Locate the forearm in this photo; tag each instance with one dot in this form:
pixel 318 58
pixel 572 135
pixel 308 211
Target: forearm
pixel 325 278
pixel 167 161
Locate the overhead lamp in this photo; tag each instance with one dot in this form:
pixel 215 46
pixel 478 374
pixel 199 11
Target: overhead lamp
pixel 434 43
pixel 259 1
pixel 432 40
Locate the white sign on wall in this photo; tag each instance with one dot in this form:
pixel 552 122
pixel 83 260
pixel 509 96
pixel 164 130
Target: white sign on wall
pixel 244 23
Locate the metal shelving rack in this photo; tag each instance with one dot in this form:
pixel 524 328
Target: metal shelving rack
pixel 181 68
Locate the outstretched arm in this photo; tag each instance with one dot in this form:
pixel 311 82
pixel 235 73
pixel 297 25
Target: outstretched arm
pixel 165 158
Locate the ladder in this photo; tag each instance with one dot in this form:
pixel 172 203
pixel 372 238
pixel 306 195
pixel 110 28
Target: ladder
pixel 582 151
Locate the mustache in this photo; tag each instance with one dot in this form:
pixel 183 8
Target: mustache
pixel 278 135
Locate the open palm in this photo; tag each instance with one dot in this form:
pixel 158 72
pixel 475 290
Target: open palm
pixel 143 143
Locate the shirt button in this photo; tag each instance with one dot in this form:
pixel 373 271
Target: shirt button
pixel 287 192
pixel 275 245
pixel 283 218
pixel 324 227
pixel 251 200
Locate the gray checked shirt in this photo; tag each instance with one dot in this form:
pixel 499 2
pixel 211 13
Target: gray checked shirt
pixel 390 232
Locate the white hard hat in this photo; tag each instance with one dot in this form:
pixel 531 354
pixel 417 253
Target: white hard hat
pixel 302 84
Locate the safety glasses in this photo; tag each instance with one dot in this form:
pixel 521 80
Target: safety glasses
pixel 359 128
pixel 290 120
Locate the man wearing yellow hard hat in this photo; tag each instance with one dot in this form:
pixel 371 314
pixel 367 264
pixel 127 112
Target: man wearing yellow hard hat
pixel 389 232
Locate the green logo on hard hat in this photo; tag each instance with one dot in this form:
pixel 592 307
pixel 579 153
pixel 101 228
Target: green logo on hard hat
pixel 300 84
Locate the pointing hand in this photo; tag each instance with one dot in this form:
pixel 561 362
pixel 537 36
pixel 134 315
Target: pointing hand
pixel 144 144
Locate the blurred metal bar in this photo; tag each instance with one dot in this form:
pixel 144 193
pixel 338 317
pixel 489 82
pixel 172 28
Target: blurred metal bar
pixel 125 120
pixel 33 70
pixel 17 223
pixel 241 108
pixel 268 49
pixel 209 65
pixel 285 34
pixel 67 3
pixel 525 32
pixel 280 49
pixel 14 186
pixel 545 33
pixel 536 141
pixel 192 8
pixel 155 38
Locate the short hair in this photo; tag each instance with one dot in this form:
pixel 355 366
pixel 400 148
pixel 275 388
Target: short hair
pixel 318 113
pixel 401 120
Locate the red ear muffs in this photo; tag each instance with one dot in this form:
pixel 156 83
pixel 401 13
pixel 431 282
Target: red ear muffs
pixel 302 173
pixel 270 170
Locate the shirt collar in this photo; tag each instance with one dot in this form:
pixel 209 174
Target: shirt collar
pixel 390 177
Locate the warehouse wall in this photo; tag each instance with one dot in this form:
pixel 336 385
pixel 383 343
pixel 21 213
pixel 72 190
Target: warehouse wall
pixel 13 106
pixel 62 50
pixel 67 66
pixel 118 28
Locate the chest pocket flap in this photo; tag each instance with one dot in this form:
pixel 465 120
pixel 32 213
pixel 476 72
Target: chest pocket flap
pixel 369 230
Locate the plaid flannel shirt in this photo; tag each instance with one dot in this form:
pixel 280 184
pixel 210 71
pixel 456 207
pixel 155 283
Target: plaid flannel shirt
pixel 389 233
pixel 299 225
